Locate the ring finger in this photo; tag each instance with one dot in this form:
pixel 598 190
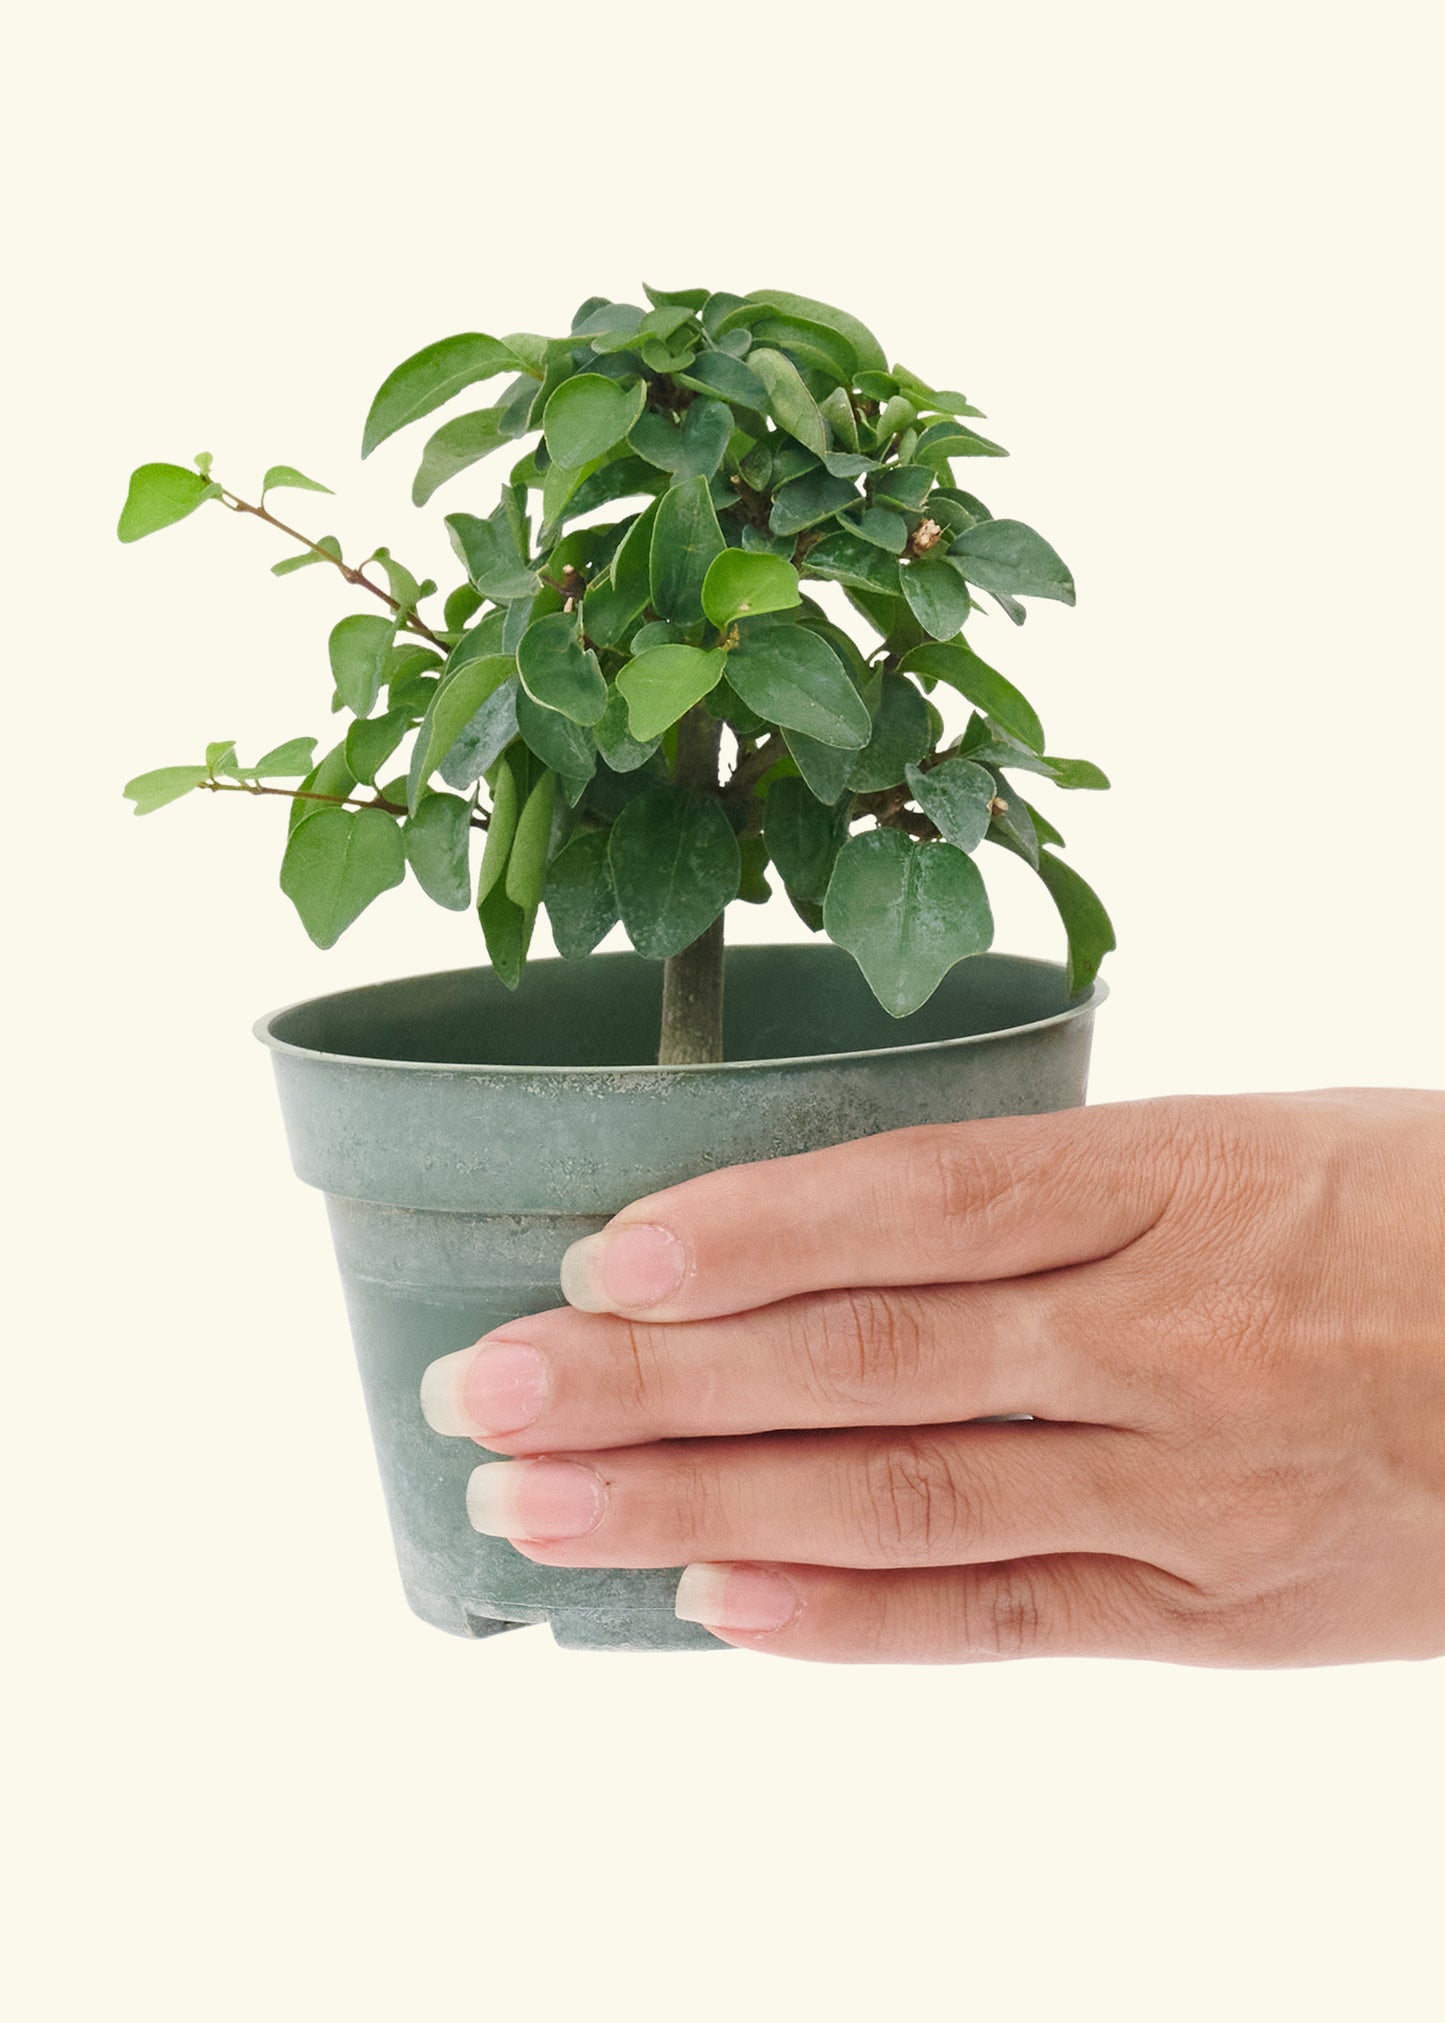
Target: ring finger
pixel 918 1356
pixel 937 1496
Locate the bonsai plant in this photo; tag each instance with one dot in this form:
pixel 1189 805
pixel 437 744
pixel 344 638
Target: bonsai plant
pixel 636 698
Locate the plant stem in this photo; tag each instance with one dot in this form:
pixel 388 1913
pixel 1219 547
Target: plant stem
pixel 410 621
pixel 692 981
pixel 479 820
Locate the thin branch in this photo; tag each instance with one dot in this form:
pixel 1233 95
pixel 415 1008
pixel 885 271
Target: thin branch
pixel 752 764
pixel 479 820
pixel 409 619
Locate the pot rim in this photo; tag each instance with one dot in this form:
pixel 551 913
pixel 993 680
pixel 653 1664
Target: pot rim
pixel 261 1030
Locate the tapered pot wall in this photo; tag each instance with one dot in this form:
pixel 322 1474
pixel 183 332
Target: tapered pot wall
pixel 453 1188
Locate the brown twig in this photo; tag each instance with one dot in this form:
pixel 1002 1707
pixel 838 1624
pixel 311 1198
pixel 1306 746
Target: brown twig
pixel 384 807
pixel 409 619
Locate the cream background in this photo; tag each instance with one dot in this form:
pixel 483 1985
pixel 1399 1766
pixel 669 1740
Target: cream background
pixel 1186 260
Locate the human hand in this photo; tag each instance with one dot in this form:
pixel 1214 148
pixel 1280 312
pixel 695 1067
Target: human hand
pixel 1225 1314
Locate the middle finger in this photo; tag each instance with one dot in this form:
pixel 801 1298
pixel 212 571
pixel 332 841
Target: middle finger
pixel 898 1357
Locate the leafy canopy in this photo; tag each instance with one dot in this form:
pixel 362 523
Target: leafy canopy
pixel 684 468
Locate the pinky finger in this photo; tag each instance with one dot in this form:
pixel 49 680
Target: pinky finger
pixel 1066 1605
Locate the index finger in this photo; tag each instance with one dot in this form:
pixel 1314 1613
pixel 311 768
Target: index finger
pixel 930 1205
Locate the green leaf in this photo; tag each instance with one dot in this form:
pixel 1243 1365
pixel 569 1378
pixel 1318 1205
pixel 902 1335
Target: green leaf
pixel 727 706
pixel 695 449
pixel 739 585
pixel 837 411
pixel 955 795
pixel 159 495
pixel 589 415
pixel 662 685
pixel 331 776
pixel 794 679
pixel 685 538
pixel 806 500
pixel 612 606
pixel 824 767
pixel 848 464
pixel 1012 823
pixel 487 551
pixel 578 894
pixel 429 378
pixel 371 741
pixel 675 865
pixel 336 864
pixel 757 541
pixel 1007 556
pixel 613 732
pixel 982 685
pixel 558 742
pixel 937 596
pixel 451 715
pixel 1072 773
pixel 483 738
pixel 947 439
pixel 1089 929
pixel 690 299
pixel 153 790
pixel 789 402
pixel 611 327
pixel 558 671
pixel 717 308
pixel 281 477
pixel 904 485
pixel 403 586
pixel 457 445
pixel 882 528
pixel 901 734
pixel 290 761
pixel 438 841
pixel 462 604
pixel 221 757
pixel 501 825
pixel 1044 829
pixel 527 863
pixel 328 544
pixel 813 346
pixel 665 319
pixel 906 912
pixel 507 930
pixel 927 396
pixel 359 648
pixel 867 352
pixel 622 477
pixel 843 558
pixel 725 378
pixel 753 886
pixel 530 350
pixel 803 838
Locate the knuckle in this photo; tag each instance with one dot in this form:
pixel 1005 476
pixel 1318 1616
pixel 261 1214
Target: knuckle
pixel 1004 1612
pixel 1265 1523
pixel 696 1512
pixel 912 1510
pixel 855 1348
pixel 636 1365
pixel 963 1176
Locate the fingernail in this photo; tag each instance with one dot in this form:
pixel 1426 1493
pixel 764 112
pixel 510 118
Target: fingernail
pixel 619 1269
pixel 737 1598
pixel 535 1499
pixel 497 1387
